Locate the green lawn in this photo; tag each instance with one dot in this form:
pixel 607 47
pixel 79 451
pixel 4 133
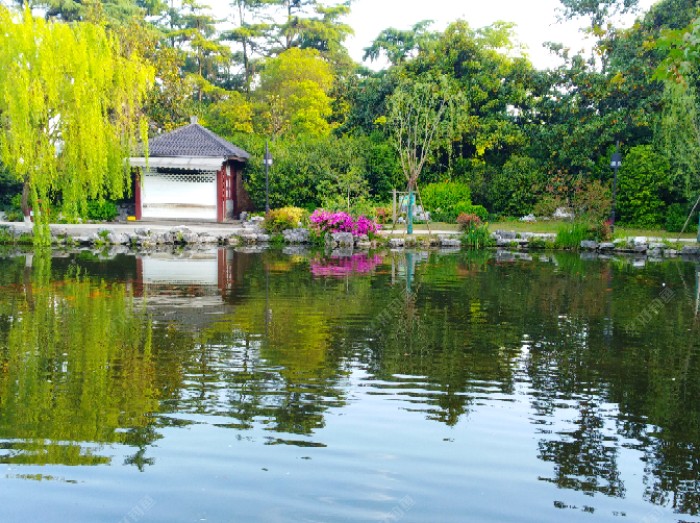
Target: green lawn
pixel 553 227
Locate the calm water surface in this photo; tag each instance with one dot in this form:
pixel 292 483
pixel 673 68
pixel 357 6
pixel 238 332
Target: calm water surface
pixel 227 386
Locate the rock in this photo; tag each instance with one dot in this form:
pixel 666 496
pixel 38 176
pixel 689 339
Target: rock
pixel 296 236
pixel 295 250
pixel 396 243
pixel 450 242
pixel 243 216
pixel 232 240
pixel 506 235
pixel 257 219
pixel 263 238
pixel 249 237
pixel 671 252
pixel 640 240
pixel 255 226
pixel 117 238
pixel 655 253
pixel 690 250
pixel 341 239
pixel 530 218
pixel 589 245
pixel 562 213
pixel 364 245
pixel 656 246
pixel 205 237
pixel 606 246
pixel 142 232
pixel 640 248
pixel 502 242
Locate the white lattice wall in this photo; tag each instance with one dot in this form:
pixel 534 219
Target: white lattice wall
pixel 179 195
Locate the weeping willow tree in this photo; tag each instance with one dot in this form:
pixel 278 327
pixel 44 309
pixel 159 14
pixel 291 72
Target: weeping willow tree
pixel 70 111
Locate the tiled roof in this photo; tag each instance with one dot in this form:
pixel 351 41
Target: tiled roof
pixel 193 140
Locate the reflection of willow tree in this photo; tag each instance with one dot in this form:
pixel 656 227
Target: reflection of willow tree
pixel 75 371
pixel 279 354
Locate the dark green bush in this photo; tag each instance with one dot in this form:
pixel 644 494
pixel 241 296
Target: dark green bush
pixel 643 178
pixel 101 210
pixel 677 214
pixel 446 201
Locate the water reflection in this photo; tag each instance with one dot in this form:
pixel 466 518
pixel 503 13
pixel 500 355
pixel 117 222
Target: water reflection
pixel 99 353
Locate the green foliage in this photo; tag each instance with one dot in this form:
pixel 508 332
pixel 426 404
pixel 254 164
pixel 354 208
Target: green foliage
pixel 101 210
pixel 570 235
pixel 592 202
pixel 68 134
pixel 678 139
pixel 475 234
pixel 278 220
pixel 307 171
pixel 643 179
pixel 293 94
pixel 676 216
pixel 9 188
pixel 547 205
pixel 447 200
pixel 424 113
pixel 513 190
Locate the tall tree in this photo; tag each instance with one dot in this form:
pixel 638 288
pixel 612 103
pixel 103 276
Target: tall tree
pixel 294 91
pixel 422 113
pixel 597 11
pixel 71 111
pixel 205 57
pixel 398 45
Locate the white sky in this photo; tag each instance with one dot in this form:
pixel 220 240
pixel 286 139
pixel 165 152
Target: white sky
pixel 536 21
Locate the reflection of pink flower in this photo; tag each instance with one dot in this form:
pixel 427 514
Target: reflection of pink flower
pixel 339 266
pixel 325 221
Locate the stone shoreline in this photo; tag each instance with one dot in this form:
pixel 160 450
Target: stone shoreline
pixel 150 235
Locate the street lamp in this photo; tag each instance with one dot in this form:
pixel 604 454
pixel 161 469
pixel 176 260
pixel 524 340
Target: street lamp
pixel 615 163
pixel 268 163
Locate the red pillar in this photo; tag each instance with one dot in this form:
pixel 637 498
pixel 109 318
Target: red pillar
pixel 220 194
pixel 137 193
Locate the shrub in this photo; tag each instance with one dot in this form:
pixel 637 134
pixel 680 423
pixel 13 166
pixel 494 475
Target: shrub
pixel 382 215
pixel 278 220
pixel 592 201
pixel 511 189
pixel 547 205
pixel 101 210
pixel 477 237
pixel 445 201
pixel 676 216
pixel 326 221
pixel 570 235
pixel 642 180
pixel 467 222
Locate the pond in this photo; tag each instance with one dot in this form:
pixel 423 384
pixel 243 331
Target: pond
pixel 234 386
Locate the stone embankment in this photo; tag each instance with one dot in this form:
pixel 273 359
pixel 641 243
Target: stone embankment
pixel 147 236
pixel 151 235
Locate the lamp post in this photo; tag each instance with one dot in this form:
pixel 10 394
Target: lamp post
pixel 615 163
pixel 268 163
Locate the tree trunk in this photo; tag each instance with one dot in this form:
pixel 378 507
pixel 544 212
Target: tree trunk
pixel 409 217
pixel 26 210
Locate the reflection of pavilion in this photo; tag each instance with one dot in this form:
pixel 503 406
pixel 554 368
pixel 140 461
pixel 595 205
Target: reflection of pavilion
pixel 190 286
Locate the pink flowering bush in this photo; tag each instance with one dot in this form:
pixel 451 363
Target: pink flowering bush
pixel 326 221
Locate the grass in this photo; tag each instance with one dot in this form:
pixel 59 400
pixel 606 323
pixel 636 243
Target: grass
pixel 553 227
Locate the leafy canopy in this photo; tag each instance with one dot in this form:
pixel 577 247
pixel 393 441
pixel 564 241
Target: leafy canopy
pixel 70 110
